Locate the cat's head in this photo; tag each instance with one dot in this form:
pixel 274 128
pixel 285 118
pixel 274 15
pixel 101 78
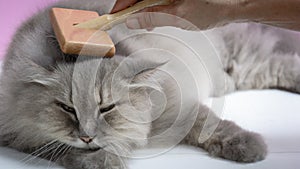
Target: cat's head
pixel 92 103
pixel 54 99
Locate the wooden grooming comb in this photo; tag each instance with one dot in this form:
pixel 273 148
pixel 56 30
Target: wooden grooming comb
pixel 82 32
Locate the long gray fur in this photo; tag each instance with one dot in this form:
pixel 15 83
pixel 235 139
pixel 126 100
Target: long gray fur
pixel 37 75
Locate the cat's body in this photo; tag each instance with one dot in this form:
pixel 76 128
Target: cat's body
pixel 94 126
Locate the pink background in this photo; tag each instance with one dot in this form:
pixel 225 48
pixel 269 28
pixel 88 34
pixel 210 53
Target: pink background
pixel 12 14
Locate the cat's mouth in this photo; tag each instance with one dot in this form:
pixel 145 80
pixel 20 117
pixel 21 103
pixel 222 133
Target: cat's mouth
pixel 80 145
pixel 94 148
pixel 89 148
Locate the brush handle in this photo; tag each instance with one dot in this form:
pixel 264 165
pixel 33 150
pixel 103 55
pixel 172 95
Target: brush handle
pixel 106 22
pixel 140 6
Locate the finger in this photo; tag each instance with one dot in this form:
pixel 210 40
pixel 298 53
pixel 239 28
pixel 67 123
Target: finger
pixel 122 4
pixel 149 20
pixel 161 8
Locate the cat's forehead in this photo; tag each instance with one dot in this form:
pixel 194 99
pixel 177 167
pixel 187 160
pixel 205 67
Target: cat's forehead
pixel 86 78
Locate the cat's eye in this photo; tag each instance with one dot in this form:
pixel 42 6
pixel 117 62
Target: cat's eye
pixel 107 109
pixel 67 108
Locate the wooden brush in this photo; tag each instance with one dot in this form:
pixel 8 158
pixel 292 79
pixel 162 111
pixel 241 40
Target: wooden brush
pixel 74 40
pixel 77 31
pixel 106 22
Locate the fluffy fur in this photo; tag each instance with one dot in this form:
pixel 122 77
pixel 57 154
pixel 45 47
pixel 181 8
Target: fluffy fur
pixel 37 85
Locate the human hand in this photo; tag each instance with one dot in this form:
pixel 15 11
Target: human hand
pixel 123 4
pixel 201 14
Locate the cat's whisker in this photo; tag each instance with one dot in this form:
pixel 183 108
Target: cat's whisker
pixel 42 153
pixel 37 156
pixel 115 153
pixel 57 155
pixel 55 151
pixel 67 149
pixel 44 147
pixel 49 153
pixel 61 152
pixel 37 151
pixel 119 146
pixel 113 148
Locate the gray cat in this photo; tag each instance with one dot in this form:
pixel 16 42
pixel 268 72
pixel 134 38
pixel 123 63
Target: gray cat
pixel 82 126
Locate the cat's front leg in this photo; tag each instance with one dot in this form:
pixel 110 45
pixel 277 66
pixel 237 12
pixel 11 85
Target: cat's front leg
pixel 227 140
pixel 237 145
pixel 101 159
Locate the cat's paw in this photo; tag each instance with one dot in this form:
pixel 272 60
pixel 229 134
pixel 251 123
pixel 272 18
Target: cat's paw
pixel 96 160
pixel 241 147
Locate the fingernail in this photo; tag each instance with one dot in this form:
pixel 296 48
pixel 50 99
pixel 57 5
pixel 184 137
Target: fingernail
pixel 150 29
pixel 133 23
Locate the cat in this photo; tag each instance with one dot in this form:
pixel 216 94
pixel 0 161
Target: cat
pixel 56 106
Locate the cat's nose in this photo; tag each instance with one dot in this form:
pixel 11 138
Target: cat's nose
pixel 86 139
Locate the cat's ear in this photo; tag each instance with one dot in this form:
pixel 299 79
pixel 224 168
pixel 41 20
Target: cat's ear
pixel 36 74
pixel 145 70
pixel 138 69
